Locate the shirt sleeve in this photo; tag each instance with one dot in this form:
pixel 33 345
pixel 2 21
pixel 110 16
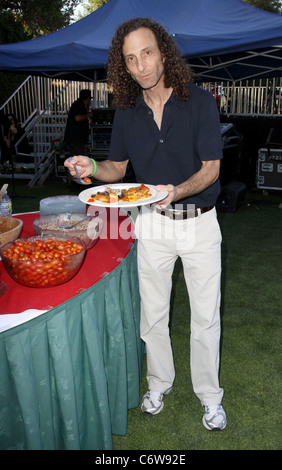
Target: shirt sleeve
pixel 209 139
pixel 78 108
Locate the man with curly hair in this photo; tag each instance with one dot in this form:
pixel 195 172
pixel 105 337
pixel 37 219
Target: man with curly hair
pixel 169 130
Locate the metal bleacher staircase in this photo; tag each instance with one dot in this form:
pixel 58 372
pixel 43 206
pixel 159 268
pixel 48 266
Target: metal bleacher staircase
pixel 41 106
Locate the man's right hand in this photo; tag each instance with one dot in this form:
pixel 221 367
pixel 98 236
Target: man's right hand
pixel 83 164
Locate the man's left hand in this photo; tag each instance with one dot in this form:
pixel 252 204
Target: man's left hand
pixel 169 198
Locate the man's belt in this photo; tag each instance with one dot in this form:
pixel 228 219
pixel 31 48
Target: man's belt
pixel 182 215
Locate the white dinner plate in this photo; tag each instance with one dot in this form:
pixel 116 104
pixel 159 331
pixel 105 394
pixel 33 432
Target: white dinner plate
pixel 85 195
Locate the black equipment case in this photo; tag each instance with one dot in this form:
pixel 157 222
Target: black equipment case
pixel 269 169
pixel 269 163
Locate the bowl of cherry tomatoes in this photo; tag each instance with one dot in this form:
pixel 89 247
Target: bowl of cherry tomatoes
pixel 43 261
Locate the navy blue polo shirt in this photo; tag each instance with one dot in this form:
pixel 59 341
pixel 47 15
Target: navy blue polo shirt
pixel 190 133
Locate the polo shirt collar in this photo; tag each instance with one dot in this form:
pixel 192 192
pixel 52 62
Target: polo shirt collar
pixel 140 101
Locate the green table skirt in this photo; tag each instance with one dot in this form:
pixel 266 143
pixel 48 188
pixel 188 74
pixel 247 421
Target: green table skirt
pixel 69 376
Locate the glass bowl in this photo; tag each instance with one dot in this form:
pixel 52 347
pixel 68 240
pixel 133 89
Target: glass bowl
pixel 43 261
pixel 88 230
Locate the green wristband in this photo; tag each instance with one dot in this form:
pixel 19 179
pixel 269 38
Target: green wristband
pixel 95 168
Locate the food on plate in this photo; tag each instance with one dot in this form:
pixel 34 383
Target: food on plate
pixel 42 263
pixel 111 195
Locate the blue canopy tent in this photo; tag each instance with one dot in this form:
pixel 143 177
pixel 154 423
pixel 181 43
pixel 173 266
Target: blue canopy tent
pixel 221 39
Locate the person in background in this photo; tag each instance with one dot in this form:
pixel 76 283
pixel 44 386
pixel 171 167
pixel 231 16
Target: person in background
pixel 77 127
pixel 4 152
pixel 13 132
pixel 170 131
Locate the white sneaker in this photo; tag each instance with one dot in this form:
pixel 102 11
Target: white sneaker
pixel 153 402
pixel 214 418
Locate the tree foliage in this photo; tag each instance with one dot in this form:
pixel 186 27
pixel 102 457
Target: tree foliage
pixel 25 19
pixel 273 6
pixel 90 6
pixel 11 29
pixel 37 17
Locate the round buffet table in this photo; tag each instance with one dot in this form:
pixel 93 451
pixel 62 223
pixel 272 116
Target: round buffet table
pixel 71 355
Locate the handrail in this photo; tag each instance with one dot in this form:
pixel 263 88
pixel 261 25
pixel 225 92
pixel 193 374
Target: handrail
pixel 40 116
pixel 15 92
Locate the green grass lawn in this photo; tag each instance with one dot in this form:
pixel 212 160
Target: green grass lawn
pixel 250 370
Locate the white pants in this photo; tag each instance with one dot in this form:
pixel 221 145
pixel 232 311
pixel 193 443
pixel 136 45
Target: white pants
pixel 198 242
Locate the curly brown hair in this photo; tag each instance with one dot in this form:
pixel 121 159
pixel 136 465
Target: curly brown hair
pixel 177 72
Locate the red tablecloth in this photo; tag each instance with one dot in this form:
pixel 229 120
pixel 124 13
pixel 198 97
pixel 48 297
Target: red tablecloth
pixel 115 243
